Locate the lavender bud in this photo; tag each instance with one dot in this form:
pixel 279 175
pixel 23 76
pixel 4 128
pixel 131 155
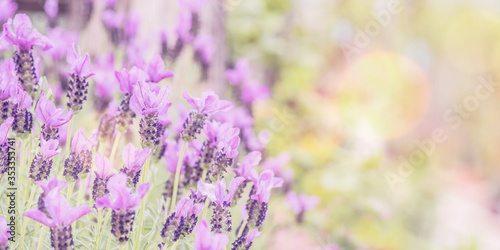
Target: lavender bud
pixel 23 122
pixel 77 92
pixel 41 204
pixel 195 24
pixel 174 53
pixel 256 215
pixel 241 244
pixel 122 223
pixel 239 192
pixel 170 230
pixel 221 219
pixel 99 187
pixel 61 238
pixel 149 131
pixel 132 177
pixel 25 69
pixel 193 125
pixel 4 158
pixel 169 189
pixel 40 168
pixel 77 165
pixel 106 127
pixel 50 133
pixel 125 118
pixel 220 166
pixel 6 110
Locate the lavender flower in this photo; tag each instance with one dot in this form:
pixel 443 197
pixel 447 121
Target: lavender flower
pixel 253 91
pixel 42 163
pixel 227 150
pixel 79 161
pixel 301 203
pixel 204 48
pixel 208 104
pixel 205 240
pixel 194 7
pixel 241 72
pixel 4 147
pixel 51 8
pixel 24 38
pixel 184 35
pixel 127 80
pixel 52 184
pixel 59 218
pixel 51 117
pixel 256 207
pixel 62 39
pixel 80 72
pixel 180 223
pixel 124 204
pixel 4 233
pixel 23 119
pixel 108 122
pixel 245 241
pixel 148 103
pixel 245 171
pixel 8 84
pixel 172 153
pixel 221 218
pixel 156 69
pixel 133 159
pixel 8 8
pixel 103 166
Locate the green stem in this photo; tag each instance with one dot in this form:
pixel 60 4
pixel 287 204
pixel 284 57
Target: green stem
pixel 175 245
pixel 113 149
pixel 70 191
pixel 23 228
pixel 41 239
pixel 68 137
pixel 81 194
pixel 205 207
pixel 99 212
pixel 176 179
pixel 103 227
pixel 144 178
pixel 109 240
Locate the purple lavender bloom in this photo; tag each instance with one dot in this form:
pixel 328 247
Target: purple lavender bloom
pixel 4 147
pixel 133 160
pixel 8 8
pixel 156 69
pixel 184 35
pixel 51 117
pixel 42 163
pixel 114 21
pixel 8 84
pixel 51 8
pixel 193 7
pixel 59 218
pixel 123 203
pixel 204 48
pixel 253 91
pixel 227 149
pixel 163 36
pixel 221 218
pixel 245 241
pixel 24 38
pixel 208 104
pixel 4 233
pixel 80 72
pixel 103 166
pixel 246 169
pixel 131 26
pixel 277 163
pixel 108 122
pixel 62 40
pixel 205 240
pixel 301 203
pixel 127 80
pixel 148 103
pixel 241 72
pixel 23 118
pixel 79 161
pixel 47 186
pixel 180 223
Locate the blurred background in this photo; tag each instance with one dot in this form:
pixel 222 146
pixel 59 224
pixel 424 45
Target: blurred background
pixel 387 109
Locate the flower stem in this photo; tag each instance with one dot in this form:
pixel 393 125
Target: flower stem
pixel 242 229
pixel 83 188
pixel 103 227
pixel 175 245
pixel 23 228
pixel 99 218
pixel 176 179
pixel 70 191
pixel 109 241
pixel 143 204
pixel 113 149
pixel 41 239
pixel 205 207
pixel 68 137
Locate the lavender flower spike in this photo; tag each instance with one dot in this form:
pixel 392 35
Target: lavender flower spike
pixel 221 218
pixel 246 167
pixel 124 204
pixel 78 85
pixel 156 69
pixel 79 161
pixel 42 163
pixel 4 146
pixel 133 160
pixel 127 80
pixel 48 186
pixel 245 242
pixel 59 219
pixel 8 83
pixel 227 150
pixel 148 103
pixel 301 203
pixel 208 104
pixel 51 117
pixel 4 233
pixel 23 119
pixel 180 223
pixel 103 166
pixel 24 38
pixel 205 240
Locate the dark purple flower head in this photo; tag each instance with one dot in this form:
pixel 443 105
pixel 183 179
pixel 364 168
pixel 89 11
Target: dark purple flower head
pixel 61 214
pixel 127 79
pixel 8 8
pixel 157 71
pixel 103 166
pixel 241 72
pixel 120 196
pixel 47 113
pixel 4 231
pixel 277 163
pixel 301 203
pixel 247 164
pixel 264 184
pixel 4 129
pixel 209 103
pixel 147 101
pixel 22 35
pixel 133 158
pixel 217 193
pixel 48 149
pixel 205 240
pixel 204 45
pixel 79 65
